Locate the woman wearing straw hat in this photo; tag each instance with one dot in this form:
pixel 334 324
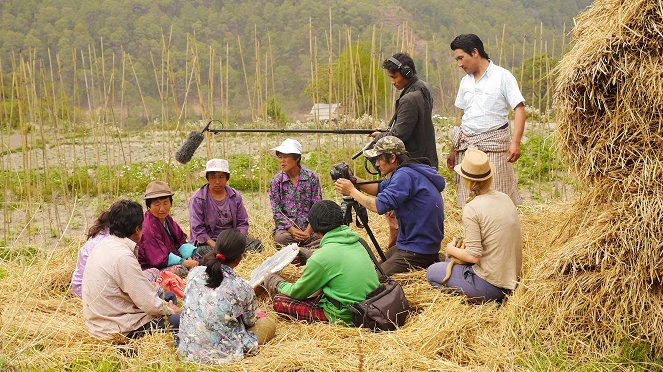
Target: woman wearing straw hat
pixel 292 193
pixel 493 242
pixel 216 207
pixel 163 244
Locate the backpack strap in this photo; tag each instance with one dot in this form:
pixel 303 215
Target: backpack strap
pixel 383 277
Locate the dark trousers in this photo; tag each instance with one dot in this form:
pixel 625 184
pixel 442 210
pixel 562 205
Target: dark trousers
pixel 171 322
pixel 400 261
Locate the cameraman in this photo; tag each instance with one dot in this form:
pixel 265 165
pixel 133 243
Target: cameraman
pixel 413 192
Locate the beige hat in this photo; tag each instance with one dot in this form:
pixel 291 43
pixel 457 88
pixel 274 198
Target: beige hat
pixel 216 165
pixel 475 166
pixel 157 189
pixel 288 146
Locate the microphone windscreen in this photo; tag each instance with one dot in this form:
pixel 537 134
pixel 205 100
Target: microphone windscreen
pixel 185 153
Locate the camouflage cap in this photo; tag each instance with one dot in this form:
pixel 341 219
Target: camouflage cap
pixel 386 145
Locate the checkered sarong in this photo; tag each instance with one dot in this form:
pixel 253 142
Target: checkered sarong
pixel 495 144
pixel 307 310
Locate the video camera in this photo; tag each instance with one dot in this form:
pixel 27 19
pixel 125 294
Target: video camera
pixel 340 170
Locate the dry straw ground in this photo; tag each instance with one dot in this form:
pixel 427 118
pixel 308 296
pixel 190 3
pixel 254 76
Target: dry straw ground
pixel 593 269
pixel 41 325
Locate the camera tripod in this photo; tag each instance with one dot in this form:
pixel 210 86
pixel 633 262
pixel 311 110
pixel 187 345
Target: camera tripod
pixel 347 206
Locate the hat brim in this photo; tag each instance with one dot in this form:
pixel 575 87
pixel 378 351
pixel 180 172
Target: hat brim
pixel 459 170
pixel 372 154
pixel 157 195
pixel 284 150
pixel 203 173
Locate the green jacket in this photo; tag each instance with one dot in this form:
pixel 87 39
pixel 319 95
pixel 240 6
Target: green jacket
pixel 344 271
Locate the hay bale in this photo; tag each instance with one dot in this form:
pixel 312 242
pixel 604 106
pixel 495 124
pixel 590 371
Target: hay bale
pixel 603 281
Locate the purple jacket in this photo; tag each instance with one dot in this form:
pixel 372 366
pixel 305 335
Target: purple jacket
pixel 203 216
pixel 155 244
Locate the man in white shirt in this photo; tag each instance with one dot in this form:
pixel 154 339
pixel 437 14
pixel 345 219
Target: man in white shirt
pixel 484 98
pixel 117 298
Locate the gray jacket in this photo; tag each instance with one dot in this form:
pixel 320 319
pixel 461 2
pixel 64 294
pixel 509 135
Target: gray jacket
pixel 412 121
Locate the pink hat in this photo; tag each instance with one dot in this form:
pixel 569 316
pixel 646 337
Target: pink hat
pixel 216 165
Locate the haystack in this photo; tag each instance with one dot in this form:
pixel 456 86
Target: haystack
pixel 602 281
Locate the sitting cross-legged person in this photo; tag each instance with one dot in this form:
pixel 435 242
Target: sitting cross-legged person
pixel 216 207
pixel 492 258
pixel 117 298
pixel 220 320
pixel 163 244
pixel 341 268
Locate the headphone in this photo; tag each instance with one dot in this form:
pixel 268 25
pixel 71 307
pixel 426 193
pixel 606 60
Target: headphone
pixel 405 70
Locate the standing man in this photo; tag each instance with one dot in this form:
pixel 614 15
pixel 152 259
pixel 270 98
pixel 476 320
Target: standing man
pixel 412 190
pixel 484 98
pixel 412 121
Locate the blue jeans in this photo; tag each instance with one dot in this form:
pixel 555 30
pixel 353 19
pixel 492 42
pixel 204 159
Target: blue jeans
pixel 465 281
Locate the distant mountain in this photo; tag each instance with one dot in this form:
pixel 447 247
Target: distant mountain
pixel 282 29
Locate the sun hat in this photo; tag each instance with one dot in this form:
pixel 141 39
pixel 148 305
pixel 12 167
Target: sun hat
pixel 288 146
pixel 324 216
pixel 216 165
pixel 475 166
pixel 157 189
pixel 386 145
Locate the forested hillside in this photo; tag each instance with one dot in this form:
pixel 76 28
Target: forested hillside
pixel 266 50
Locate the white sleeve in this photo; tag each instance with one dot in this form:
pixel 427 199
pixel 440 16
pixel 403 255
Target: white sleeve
pixel 511 91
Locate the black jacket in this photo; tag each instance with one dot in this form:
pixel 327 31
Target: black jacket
pixel 413 123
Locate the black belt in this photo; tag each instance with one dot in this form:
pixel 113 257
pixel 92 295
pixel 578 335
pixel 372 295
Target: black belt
pixel 504 126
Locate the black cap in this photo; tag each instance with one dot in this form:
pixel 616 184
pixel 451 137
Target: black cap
pixel 325 216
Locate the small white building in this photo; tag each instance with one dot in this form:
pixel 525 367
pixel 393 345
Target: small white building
pixel 325 112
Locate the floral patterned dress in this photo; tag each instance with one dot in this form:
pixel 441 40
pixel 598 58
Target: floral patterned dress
pixel 214 321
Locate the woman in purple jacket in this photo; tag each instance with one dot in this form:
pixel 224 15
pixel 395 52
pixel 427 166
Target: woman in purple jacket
pixel 163 244
pixel 216 207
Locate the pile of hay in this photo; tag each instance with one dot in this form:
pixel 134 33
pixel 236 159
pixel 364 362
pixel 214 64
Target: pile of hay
pixel 601 283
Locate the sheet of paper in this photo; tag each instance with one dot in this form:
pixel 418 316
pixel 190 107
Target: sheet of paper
pixel 274 264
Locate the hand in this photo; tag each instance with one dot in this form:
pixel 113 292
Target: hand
pixel 344 186
pixel 451 160
pixel 514 152
pixel 375 134
pixel 297 234
pixel 450 247
pixel 271 283
pixel 176 309
pixel 190 263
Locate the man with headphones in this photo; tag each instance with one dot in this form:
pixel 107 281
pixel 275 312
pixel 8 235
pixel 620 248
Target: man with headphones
pixel 412 121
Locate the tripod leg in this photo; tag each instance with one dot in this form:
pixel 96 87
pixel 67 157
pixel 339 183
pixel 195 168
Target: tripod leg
pixel 364 220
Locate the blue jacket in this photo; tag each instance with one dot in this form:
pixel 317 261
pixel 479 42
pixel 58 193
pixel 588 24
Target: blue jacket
pixel 413 192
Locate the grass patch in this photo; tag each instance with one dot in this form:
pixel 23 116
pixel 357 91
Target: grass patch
pixel 25 254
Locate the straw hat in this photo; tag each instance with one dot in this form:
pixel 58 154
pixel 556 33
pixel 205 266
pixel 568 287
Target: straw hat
pixel 216 165
pixel 475 166
pixel 288 146
pixel 157 189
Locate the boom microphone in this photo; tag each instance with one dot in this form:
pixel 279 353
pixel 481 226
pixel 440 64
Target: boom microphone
pixel 193 141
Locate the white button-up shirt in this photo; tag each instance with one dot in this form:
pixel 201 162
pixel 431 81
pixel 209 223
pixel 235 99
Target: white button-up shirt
pixel 486 102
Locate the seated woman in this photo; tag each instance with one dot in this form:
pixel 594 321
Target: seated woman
pixel 163 244
pixel 216 207
pixel 220 321
pixel 95 234
pixel 292 192
pixel 341 268
pixel 493 242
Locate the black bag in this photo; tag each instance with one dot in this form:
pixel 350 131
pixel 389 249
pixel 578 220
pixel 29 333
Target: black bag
pixel 385 308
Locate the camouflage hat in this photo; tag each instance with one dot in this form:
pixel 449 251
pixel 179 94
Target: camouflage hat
pixel 386 145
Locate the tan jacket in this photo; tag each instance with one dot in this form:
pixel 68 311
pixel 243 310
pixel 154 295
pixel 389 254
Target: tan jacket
pixel 492 232
pixel 117 298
